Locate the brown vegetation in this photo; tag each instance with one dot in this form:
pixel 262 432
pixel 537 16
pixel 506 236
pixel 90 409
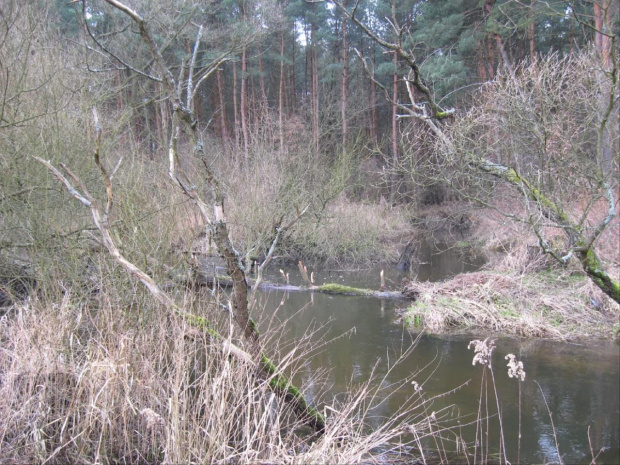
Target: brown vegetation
pixel 549 305
pixel 82 385
pixel 523 291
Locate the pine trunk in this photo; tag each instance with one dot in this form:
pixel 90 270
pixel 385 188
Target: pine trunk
pixel 222 112
pixel 532 31
pixel 281 95
pixel 373 103
pixel 235 106
pixel 394 185
pixel 315 90
pixel 244 104
pixel 345 80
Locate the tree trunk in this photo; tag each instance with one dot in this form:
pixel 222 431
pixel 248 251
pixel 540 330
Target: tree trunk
pixel 373 102
pixel 393 185
pixel 532 31
pixel 602 23
pixel 261 81
pixel 281 95
pixel 315 89
pixel 222 110
pixel 244 104
pixel 293 88
pixel 498 40
pixel 596 272
pixel 119 94
pixel 490 58
pixel 239 299
pixel 598 25
pixel 235 106
pixel 345 80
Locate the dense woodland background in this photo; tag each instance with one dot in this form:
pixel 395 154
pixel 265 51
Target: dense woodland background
pixel 139 139
pixel 297 106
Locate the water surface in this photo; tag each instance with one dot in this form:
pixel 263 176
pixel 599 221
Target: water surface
pixel 577 383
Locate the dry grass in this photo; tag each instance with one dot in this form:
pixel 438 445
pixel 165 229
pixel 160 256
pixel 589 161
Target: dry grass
pixel 548 304
pixel 117 384
pixel 351 232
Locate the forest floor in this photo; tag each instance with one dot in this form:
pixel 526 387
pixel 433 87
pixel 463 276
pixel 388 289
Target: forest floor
pixel 519 291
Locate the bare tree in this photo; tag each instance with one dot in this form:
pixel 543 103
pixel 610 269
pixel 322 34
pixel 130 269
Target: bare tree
pixel 544 209
pixel 207 194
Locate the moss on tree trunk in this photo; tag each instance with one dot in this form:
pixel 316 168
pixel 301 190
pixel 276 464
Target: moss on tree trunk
pixel 594 269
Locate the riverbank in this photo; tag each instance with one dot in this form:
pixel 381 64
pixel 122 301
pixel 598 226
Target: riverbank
pixel 502 282
pixel 519 291
pixel 546 304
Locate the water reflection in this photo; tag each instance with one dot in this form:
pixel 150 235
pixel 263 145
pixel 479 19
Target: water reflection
pixel 579 383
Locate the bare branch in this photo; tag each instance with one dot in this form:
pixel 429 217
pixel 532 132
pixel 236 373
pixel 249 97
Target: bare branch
pixel 190 77
pixel 58 175
pixel 110 53
pixel 279 231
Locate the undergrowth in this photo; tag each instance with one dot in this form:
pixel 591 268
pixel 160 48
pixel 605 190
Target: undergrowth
pixel 91 381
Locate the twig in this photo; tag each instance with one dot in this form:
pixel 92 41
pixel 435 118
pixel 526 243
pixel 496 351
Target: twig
pixel 555 436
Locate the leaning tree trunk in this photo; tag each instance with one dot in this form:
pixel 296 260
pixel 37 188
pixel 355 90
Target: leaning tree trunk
pixel 184 118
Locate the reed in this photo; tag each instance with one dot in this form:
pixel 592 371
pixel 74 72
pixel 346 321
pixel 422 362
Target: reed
pixel 88 381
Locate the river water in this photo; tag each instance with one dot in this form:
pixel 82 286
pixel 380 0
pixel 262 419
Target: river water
pixel 577 383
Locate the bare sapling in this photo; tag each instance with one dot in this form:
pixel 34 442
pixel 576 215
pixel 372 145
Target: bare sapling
pixel 303 270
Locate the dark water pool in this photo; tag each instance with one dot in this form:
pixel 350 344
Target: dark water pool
pixel 577 383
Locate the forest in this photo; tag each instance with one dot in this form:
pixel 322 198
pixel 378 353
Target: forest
pixel 150 149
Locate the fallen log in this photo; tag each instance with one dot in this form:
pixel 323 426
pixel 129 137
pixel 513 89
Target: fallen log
pixel 327 288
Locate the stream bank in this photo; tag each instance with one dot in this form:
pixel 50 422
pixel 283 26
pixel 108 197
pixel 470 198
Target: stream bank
pixel 515 289
pixel 550 305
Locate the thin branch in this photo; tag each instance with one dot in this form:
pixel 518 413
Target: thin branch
pixel 611 214
pixel 279 231
pixel 109 52
pixel 58 175
pixel 192 63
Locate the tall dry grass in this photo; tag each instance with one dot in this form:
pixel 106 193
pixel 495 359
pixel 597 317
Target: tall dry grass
pixel 131 384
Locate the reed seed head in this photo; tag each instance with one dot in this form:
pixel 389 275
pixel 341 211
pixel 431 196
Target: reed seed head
pixel 482 350
pixel 515 367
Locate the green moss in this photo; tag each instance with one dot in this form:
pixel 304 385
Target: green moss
pixel 556 321
pixel 332 288
pixel 443 114
pixel 415 320
pixel 268 367
pixel 254 326
pixel 282 384
pixel 201 323
pixel 508 311
pixel 594 269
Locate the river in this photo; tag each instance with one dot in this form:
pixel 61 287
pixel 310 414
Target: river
pixel 577 383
